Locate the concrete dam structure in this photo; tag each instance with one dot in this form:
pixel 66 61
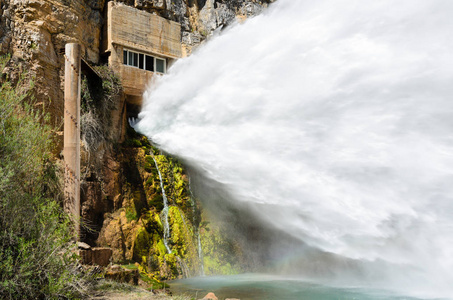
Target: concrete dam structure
pixel 139 45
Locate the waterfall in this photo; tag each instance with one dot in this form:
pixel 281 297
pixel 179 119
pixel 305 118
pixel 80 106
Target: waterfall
pixel 199 249
pixel 165 209
pixel 330 121
pixel 183 269
pixel 200 252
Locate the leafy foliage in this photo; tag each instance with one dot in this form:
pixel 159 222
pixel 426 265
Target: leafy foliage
pixel 37 260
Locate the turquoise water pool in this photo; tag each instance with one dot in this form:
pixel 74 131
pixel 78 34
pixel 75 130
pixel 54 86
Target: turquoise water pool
pixel 265 287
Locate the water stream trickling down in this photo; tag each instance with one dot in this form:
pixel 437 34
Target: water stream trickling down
pixel 331 120
pixel 200 253
pixel 197 231
pixel 164 210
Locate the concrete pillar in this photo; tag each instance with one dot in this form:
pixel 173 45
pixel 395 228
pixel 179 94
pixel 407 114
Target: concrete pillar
pixel 72 132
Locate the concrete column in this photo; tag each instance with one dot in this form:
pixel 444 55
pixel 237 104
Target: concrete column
pixel 72 132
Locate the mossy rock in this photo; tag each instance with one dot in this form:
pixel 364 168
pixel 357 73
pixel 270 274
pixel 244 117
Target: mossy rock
pixel 157 201
pixel 142 244
pixel 151 222
pixel 144 196
pixel 220 254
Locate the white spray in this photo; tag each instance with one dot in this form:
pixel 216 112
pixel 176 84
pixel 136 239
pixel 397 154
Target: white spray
pixel 333 120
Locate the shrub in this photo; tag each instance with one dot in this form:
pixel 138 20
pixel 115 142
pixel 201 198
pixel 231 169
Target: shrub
pixel 37 259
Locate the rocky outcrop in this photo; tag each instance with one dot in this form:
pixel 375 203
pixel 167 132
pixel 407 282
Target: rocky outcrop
pixel 121 194
pixel 135 230
pixel 199 18
pixel 120 274
pixel 35 31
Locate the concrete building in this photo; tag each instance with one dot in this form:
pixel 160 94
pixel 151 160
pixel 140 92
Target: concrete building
pixel 140 45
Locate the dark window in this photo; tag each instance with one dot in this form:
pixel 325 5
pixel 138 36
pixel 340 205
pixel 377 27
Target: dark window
pixel 130 62
pixel 140 61
pixel 149 63
pixel 144 62
pixel 135 63
pixel 160 65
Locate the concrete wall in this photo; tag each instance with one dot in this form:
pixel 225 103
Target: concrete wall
pixel 139 30
pixel 133 29
pixel 133 80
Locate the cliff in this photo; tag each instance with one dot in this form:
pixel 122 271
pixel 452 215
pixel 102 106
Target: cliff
pixel 34 32
pixel 121 192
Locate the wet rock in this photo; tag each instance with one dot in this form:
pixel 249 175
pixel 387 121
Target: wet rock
pixel 119 234
pixel 120 274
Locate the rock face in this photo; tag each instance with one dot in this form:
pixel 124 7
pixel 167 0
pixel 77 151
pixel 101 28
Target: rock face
pixel 121 194
pixel 34 31
pixel 199 18
pixel 120 274
pixel 135 230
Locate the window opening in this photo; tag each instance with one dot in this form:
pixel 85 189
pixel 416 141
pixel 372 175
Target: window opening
pixel 125 57
pixel 149 63
pixel 144 62
pixel 141 61
pixel 160 65
pixel 135 62
pixel 130 59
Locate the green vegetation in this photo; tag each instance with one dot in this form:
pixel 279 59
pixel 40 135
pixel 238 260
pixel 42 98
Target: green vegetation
pixel 117 290
pixel 110 285
pixel 148 246
pixel 37 258
pixel 220 254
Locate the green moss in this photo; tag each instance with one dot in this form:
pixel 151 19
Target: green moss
pixel 214 266
pixel 131 214
pixel 172 265
pixel 141 244
pixel 132 142
pixel 151 222
pixel 138 203
pixel 145 143
pixel 148 167
pixel 161 249
pixel 158 220
pixel 130 266
pixel 151 279
pixel 148 248
pixel 153 282
pixel 220 254
pixel 179 237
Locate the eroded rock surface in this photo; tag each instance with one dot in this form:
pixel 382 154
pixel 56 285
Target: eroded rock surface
pixel 121 195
